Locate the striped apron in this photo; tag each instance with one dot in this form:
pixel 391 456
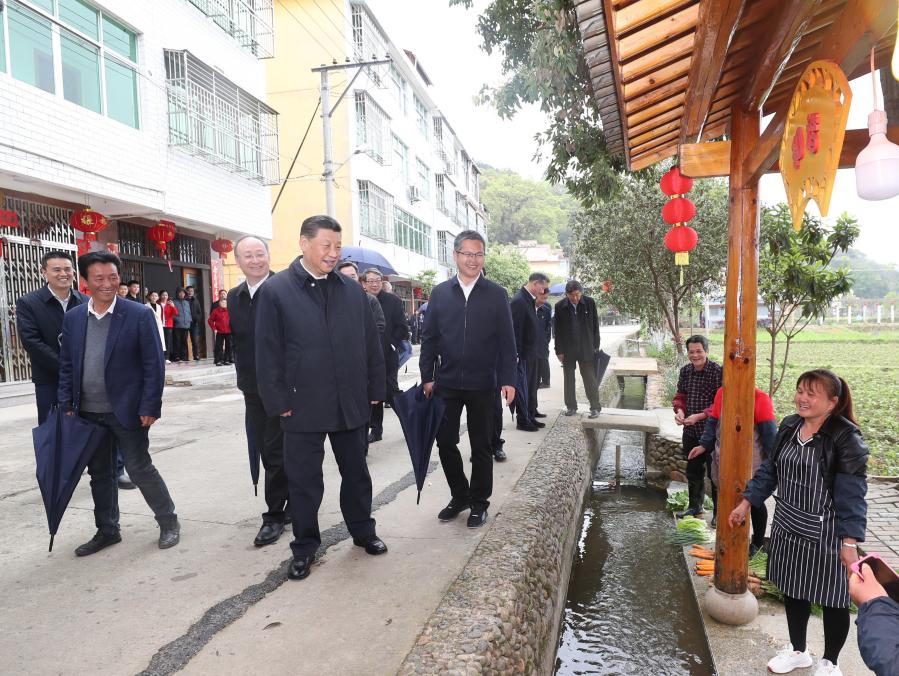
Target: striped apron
pixel 804 553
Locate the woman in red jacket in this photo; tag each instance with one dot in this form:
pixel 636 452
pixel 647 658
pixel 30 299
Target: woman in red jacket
pixel 169 311
pixel 220 322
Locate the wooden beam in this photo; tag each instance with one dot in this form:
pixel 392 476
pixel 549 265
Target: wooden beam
pixel 861 24
pixel 657 78
pixel 657 57
pixel 615 58
pixel 657 33
pixel 658 120
pixel 640 13
pixel 651 112
pixel 655 95
pixel 783 35
pixel 702 160
pixel 714 33
pixel 642 161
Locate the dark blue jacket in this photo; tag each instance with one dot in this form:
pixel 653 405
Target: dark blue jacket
pixel 324 365
pixel 844 459
pixel 878 635
pixel 468 345
pixel 524 321
pixel 242 311
pixel 39 326
pixel 580 340
pixel 135 366
pixel 545 334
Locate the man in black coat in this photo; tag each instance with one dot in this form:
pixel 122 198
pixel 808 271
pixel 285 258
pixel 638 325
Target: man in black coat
pixel 263 430
pixel 576 327
pixel 467 352
pixel 545 324
pixel 524 320
pixel 196 320
pixel 396 330
pixel 39 316
pixel 320 366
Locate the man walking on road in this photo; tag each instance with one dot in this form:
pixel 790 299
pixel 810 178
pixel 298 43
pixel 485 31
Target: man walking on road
pixel 320 366
pixel 263 431
pixel 196 320
pixel 576 328
pixel 395 332
pixel 524 321
pixel 111 372
pixel 545 323
pixel 467 345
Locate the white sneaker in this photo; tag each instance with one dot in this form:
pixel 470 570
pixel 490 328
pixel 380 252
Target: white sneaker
pixel 788 659
pixel 827 668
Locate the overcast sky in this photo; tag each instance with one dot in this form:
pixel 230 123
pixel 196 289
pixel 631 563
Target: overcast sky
pixel 447 44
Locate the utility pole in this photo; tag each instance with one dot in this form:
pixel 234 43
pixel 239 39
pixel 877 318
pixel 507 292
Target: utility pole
pixel 327 111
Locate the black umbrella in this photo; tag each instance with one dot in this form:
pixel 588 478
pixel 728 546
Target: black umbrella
pixel 602 362
pixel 420 418
pixel 255 453
pixel 521 390
pixel 63 446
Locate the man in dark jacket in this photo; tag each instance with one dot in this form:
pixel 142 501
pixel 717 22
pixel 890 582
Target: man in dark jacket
pixel 196 320
pixel 395 332
pixel 134 291
pixel 111 372
pixel 320 366
pixel 878 621
pixel 576 328
pixel 351 271
pixel 39 316
pixel 468 331
pixel 263 430
pixel 545 324
pixel 524 321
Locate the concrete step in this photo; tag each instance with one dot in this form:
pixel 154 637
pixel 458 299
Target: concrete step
pixel 203 372
pixel 16 394
pixel 624 419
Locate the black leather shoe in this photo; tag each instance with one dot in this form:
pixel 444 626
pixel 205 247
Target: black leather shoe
pixel 715 521
pixel 477 518
pixel 499 455
pixel 570 411
pixel 169 536
pixel 299 568
pixel 539 424
pixel 538 414
pixel 594 413
pixel 452 510
pixel 373 437
pixel 526 427
pixel 373 545
pixel 268 534
pixel 100 541
pixel 688 512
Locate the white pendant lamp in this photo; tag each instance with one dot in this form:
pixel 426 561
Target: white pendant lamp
pixel 877 166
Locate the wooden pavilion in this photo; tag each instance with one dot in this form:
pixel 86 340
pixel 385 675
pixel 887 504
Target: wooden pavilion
pixel 672 77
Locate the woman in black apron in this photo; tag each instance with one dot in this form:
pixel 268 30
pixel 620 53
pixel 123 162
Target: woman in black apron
pixel 818 469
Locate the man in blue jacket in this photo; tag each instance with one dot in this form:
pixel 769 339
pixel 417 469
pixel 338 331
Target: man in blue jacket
pixel 320 366
pixel 111 372
pixel 524 321
pixel 468 330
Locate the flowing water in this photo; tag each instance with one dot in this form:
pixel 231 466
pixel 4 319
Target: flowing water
pixel 630 607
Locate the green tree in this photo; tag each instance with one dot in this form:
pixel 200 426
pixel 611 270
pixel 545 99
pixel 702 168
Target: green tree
pixel 543 63
pixel 426 280
pixel 507 267
pixel 622 240
pixel 795 280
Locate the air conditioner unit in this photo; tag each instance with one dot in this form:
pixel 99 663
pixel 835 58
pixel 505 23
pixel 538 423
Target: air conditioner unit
pixel 414 194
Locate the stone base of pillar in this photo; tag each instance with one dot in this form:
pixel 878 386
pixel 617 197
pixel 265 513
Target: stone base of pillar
pixel 734 609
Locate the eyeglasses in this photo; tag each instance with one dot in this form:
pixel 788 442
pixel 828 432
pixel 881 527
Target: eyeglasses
pixel 374 281
pixel 479 256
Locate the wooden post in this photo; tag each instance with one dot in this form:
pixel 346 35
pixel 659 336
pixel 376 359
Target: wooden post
pixel 737 429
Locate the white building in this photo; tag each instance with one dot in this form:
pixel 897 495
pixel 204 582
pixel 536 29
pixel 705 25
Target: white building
pixel 141 111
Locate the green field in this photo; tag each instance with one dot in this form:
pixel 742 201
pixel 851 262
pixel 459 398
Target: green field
pixel 867 358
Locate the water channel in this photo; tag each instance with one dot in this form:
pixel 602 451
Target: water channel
pixel 630 606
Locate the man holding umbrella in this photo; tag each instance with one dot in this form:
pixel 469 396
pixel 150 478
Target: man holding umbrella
pixel 576 329
pixel 524 320
pixel 467 345
pixel 264 435
pixel 320 366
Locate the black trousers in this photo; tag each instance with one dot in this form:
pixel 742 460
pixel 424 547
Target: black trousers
pixel 533 377
pixel 496 438
pixel 587 365
pixel 264 432
pixel 304 453
pixel 377 410
pixel 543 371
pixel 836 626
pixel 179 344
pixel 195 340
pixel 223 343
pixel 479 408
pixel 698 469
pixel 167 332
pixel 44 397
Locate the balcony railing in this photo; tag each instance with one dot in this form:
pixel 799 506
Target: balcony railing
pixel 250 22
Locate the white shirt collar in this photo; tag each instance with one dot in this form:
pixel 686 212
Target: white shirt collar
pixel 109 310
pixel 466 288
pixel 314 276
pixel 253 288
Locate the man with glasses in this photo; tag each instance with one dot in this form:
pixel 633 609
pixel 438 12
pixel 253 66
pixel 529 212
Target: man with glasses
pixel 395 332
pixel 467 352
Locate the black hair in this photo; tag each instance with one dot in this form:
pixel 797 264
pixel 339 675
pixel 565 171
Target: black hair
pixel 179 290
pixel 189 286
pixel 573 285
pixel 538 277
pixel 55 254
pixel 347 264
pixel 468 235
pixel 94 257
pixel 132 281
pixel 835 387
pixel 697 338
pixel 121 284
pixel 310 227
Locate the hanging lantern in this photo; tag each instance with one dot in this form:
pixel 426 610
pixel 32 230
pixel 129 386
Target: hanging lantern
pixel 113 247
pixel 607 286
pixel 675 183
pixel 89 222
pixel 678 210
pixel 223 247
pixel 161 235
pixel 416 292
pixel 681 239
pixel 8 219
pixel 877 165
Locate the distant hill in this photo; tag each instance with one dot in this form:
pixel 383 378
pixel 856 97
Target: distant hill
pixel 870 279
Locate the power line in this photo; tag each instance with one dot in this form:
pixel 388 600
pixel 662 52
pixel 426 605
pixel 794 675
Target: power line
pixel 340 46
pixel 297 154
pixel 328 17
pixel 308 32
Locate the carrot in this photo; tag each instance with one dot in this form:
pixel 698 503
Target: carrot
pixel 703 555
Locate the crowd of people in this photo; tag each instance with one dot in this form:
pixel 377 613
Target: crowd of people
pixel 316 349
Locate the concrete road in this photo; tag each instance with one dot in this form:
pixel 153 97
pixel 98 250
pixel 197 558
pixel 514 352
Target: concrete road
pixel 215 604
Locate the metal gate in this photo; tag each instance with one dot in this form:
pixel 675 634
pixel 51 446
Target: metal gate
pixel 42 228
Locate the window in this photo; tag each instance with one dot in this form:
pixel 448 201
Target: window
pixel 375 211
pixel 424 179
pixel 401 159
pixel 412 233
pixel 88 41
pixel 421 116
pixel 2 42
pixel 368 41
pixel 398 88
pixel 372 127
pixel 249 22
pixel 445 248
pixel 439 193
pixel 461 216
pixel 212 117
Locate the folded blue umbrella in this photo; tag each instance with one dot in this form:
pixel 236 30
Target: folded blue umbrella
pixel 557 289
pixel 254 452
pixel 420 418
pixel 602 362
pixel 404 353
pixel 521 390
pixel 366 258
pixel 63 446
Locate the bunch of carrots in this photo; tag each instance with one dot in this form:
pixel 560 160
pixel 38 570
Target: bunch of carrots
pixel 705 567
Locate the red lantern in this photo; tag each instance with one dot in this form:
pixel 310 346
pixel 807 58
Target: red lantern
pixel 162 234
pixel 223 247
pixel 607 286
pixel 113 247
pixel 416 292
pixel 89 222
pixel 8 219
pixel 678 210
pixel 674 183
pixel 681 239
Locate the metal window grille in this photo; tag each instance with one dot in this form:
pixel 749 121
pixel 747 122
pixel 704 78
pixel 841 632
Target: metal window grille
pixel 368 41
pixel 375 212
pixel 372 127
pixel 421 117
pixel 424 179
pixel 440 193
pixel 134 243
pixel 412 233
pixel 249 22
pixel 401 159
pixel 212 117
pixel 445 248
